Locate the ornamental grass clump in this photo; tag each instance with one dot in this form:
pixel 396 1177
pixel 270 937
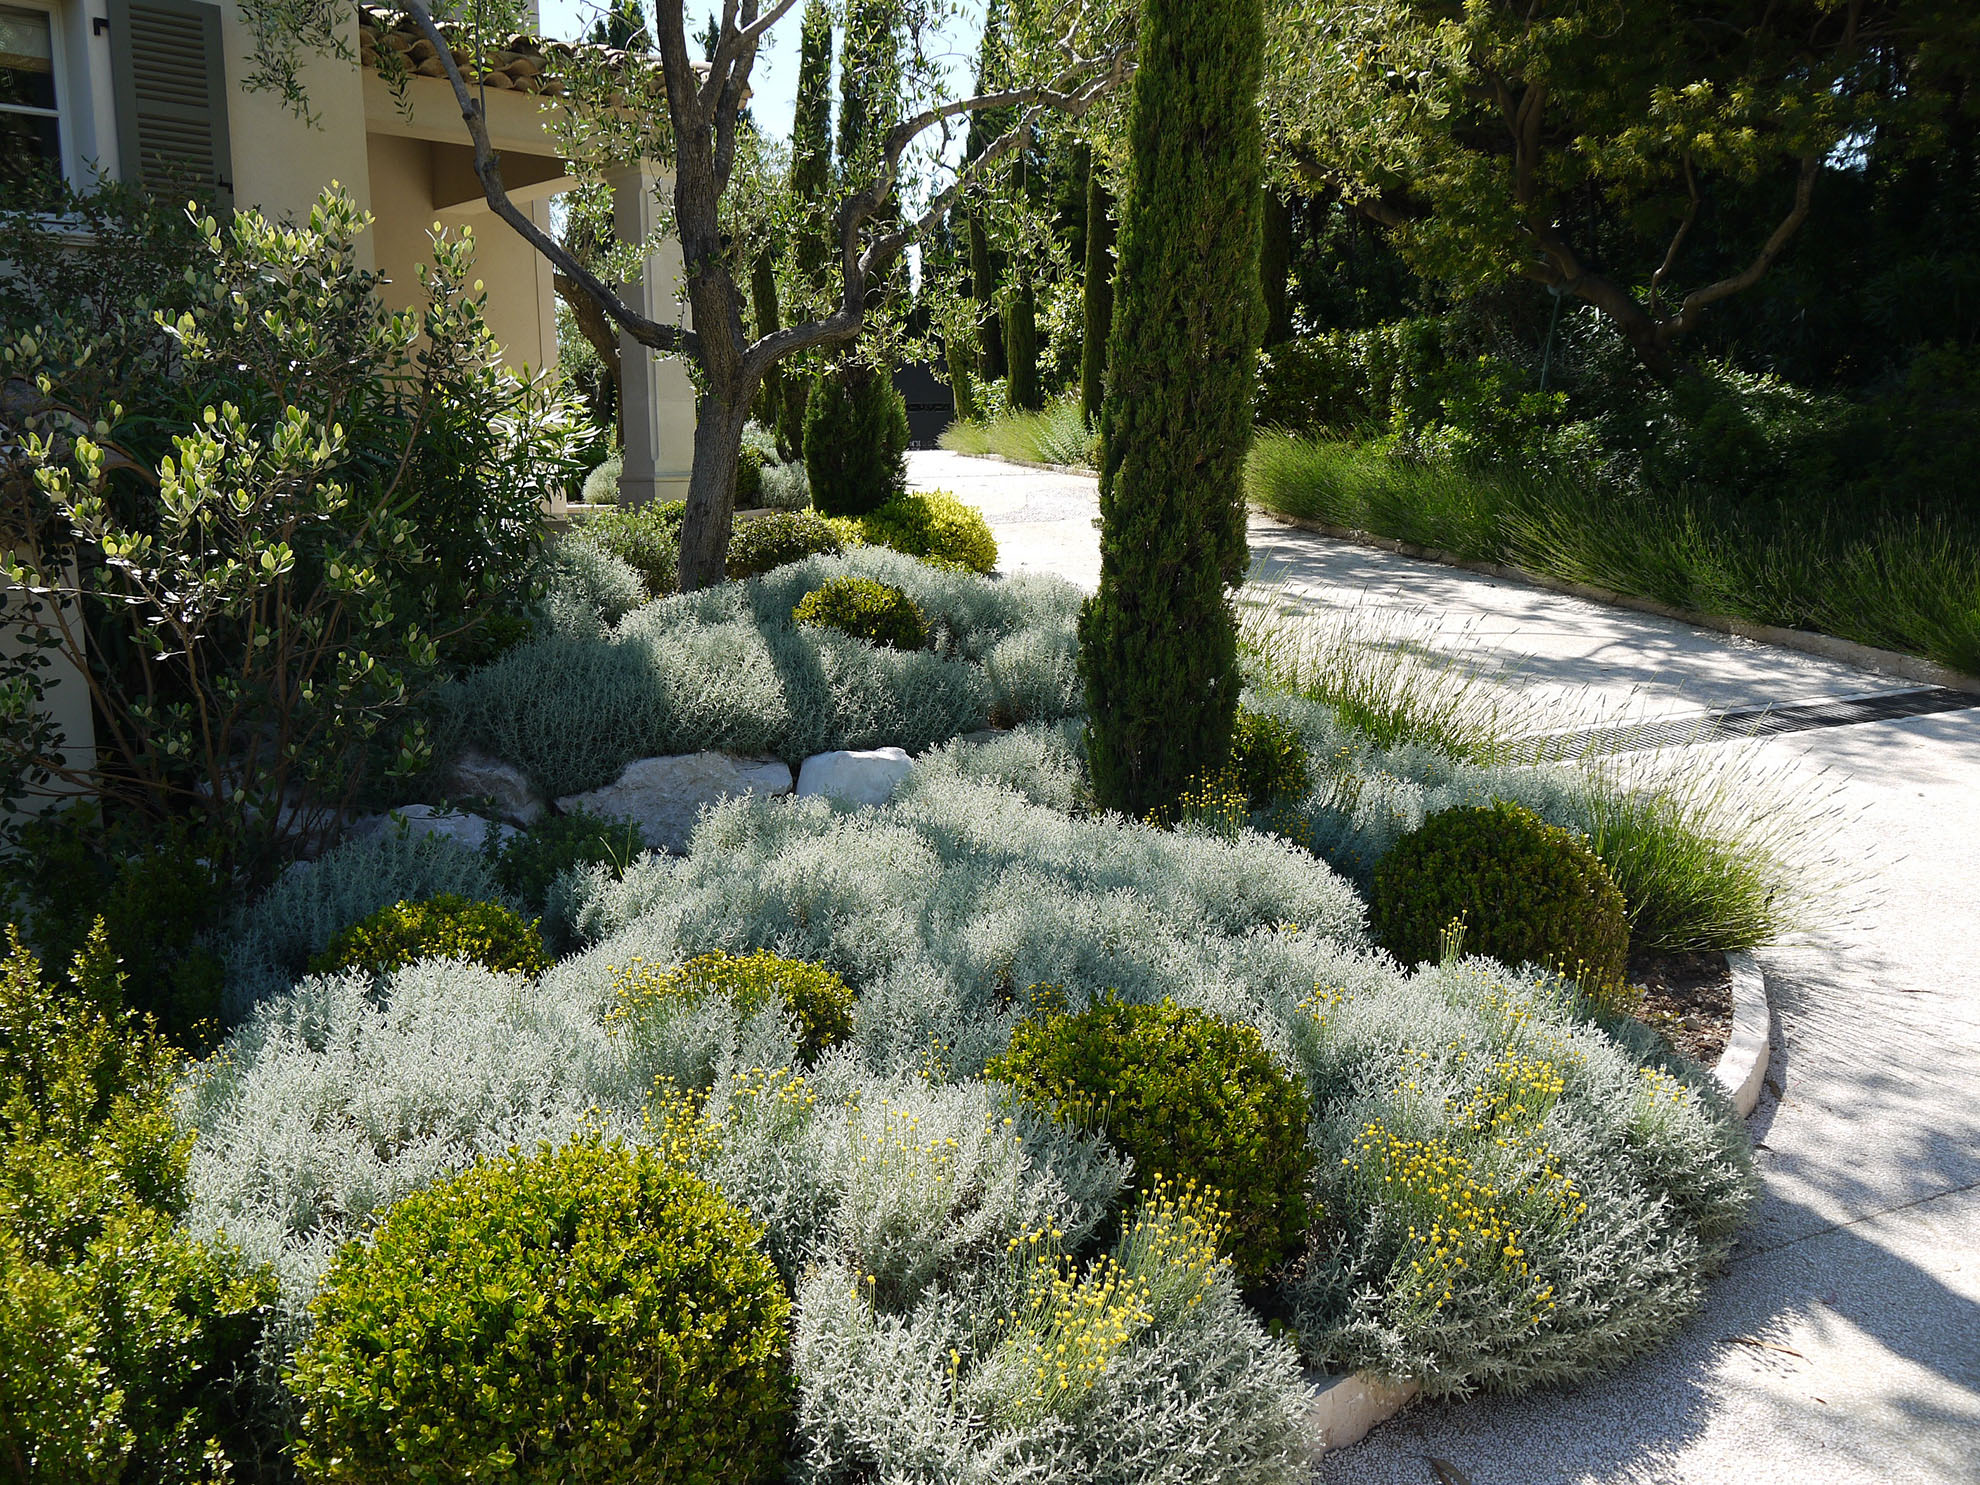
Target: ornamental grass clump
pixel 443 927
pixel 1523 891
pixel 580 1313
pixel 865 609
pixel 817 1001
pixel 1184 1094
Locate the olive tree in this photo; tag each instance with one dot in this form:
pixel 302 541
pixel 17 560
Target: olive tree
pixel 1068 55
pixel 1492 137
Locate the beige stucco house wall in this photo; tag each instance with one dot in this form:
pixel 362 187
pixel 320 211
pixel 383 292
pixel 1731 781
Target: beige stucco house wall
pixel 153 91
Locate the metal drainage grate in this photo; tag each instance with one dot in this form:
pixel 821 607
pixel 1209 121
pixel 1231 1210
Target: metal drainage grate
pixel 1771 721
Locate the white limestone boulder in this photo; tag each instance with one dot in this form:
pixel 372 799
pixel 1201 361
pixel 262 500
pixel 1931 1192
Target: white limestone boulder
pixel 511 796
pixel 868 776
pixel 666 795
pixel 417 821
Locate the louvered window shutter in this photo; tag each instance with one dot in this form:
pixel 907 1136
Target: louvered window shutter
pixel 172 98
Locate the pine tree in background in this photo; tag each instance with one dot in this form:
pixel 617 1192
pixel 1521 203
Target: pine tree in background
pixel 1158 642
pixel 811 178
pixel 1274 263
pixel 1096 296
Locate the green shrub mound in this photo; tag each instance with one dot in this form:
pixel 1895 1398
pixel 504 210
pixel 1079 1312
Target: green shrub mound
pixel 156 898
pixel 749 476
pixel 1525 892
pixel 771 541
pixel 647 538
pixel 855 441
pixel 819 1002
pixel 935 526
pixel 1269 762
pixel 270 942
pixel 866 609
pixel 126 1344
pixel 1185 1095
pixel 443 927
pixel 527 864
pixel 583 1313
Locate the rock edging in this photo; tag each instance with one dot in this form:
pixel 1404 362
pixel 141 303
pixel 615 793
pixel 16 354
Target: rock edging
pixel 1343 1409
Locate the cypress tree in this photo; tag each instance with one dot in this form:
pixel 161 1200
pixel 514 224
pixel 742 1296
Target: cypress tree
pixel 763 303
pixel 1096 296
pixel 1274 262
pixel 811 177
pixel 986 127
pixel 1021 314
pixel 811 123
pixel 1021 342
pixel 983 284
pixel 1158 641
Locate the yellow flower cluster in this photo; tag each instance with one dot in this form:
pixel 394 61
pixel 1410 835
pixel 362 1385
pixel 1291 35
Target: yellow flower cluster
pixel 1071 1324
pixel 678 1126
pixel 1459 1224
pixel 1515 1092
pixel 1215 800
pixel 1658 1086
pixel 893 1150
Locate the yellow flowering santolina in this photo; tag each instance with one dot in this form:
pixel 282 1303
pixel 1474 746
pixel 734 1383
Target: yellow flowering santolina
pixel 1460 1224
pixel 819 1001
pixel 1072 1322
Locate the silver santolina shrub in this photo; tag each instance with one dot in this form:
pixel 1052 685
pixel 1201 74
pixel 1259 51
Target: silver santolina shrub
pixel 271 940
pixel 727 669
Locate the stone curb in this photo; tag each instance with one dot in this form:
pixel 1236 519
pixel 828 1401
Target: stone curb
pixel 1827 646
pixel 1343 1409
pixel 1742 1066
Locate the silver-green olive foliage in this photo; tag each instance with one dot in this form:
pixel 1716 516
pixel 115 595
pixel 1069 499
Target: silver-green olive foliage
pixel 1487 135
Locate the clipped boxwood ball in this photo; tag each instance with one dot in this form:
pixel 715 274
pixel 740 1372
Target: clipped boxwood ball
pixel 1186 1095
pixel 771 541
pixel 869 610
pixel 589 1313
pixel 444 927
pixel 1525 890
pixel 819 1001
pixel 1268 760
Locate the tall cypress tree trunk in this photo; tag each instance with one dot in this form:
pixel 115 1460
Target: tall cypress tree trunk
pixel 1021 343
pixel 1158 641
pixel 1274 262
pixel 1096 296
pixel 763 302
pixel 983 284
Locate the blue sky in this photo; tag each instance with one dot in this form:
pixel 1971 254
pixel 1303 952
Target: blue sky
pixel 774 78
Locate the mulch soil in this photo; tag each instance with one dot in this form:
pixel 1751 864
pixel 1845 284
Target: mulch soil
pixel 1687 998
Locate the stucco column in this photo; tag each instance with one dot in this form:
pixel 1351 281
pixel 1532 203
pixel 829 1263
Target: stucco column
pixel 658 397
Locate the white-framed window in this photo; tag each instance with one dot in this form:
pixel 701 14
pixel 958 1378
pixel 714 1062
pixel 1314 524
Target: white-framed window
pixel 33 146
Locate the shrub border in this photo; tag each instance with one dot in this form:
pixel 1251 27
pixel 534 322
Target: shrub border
pixel 1341 1410
pixel 1808 642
